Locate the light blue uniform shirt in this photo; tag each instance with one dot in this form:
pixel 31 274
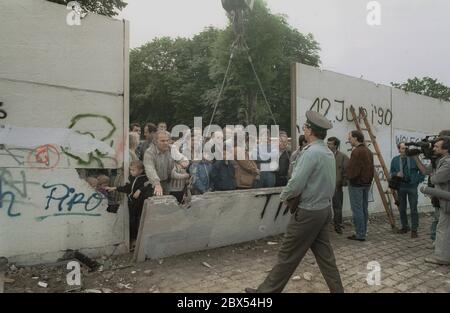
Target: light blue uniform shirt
pixel 313 177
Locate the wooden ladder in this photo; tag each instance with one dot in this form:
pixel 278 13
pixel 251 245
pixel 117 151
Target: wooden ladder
pixel 385 195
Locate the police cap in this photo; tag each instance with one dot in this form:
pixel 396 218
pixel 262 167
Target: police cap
pixel 317 121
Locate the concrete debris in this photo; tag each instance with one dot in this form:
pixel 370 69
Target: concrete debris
pixel 92 291
pixel 121 267
pixel 133 272
pixel 73 288
pixel 108 276
pixel 307 276
pixel 154 289
pixel 107 265
pixel 437 273
pixel 148 272
pixel 160 262
pixel 107 290
pixel 13 268
pixel 295 278
pixel 206 264
pixel 42 284
pixel 272 243
pixel 87 261
pixel 124 286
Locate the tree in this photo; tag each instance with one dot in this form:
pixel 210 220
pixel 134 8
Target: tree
pixel 103 7
pixel 273 46
pixel 425 86
pixel 154 79
pixel 178 79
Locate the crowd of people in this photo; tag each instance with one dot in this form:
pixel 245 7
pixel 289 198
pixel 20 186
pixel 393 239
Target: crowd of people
pixel 172 175
pixel 158 167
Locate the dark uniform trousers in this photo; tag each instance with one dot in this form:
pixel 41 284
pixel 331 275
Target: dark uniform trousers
pixel 306 229
pixel 338 198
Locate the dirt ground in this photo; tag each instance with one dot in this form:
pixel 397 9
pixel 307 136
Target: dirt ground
pixel 232 268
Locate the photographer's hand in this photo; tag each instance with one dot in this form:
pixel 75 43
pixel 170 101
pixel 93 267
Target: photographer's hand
pixel 420 165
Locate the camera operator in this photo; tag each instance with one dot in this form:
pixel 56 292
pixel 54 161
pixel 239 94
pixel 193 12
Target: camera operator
pixel 434 200
pixel 405 171
pixel 440 177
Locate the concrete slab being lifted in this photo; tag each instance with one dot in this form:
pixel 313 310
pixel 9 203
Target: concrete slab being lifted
pixel 212 220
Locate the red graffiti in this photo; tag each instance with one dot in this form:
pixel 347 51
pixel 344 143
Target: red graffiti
pixel 47 156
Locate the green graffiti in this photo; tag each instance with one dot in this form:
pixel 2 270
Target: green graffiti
pixel 79 117
pixel 95 156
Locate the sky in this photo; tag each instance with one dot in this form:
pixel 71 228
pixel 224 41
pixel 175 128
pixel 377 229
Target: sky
pixel 412 40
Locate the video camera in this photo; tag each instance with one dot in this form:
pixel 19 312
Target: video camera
pixel 424 146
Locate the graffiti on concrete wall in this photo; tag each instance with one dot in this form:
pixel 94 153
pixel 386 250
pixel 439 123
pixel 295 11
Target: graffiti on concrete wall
pixel 88 140
pixel 96 156
pixel 27 148
pixel 18 155
pixel 43 157
pixel 3 113
pixel 69 202
pixel 401 135
pixel 65 200
pixel 268 197
pixel 14 191
pixel 377 115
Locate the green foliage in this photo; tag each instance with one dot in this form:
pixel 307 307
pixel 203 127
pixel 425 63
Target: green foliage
pixel 103 7
pixel 426 86
pixel 176 79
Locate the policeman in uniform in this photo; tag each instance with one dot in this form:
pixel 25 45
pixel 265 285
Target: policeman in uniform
pixel 313 182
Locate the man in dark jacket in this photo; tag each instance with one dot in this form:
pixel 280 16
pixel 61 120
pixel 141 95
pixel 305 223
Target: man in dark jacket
pixel 360 173
pixel 405 168
pixel 281 176
pixel 222 175
pixel 341 180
